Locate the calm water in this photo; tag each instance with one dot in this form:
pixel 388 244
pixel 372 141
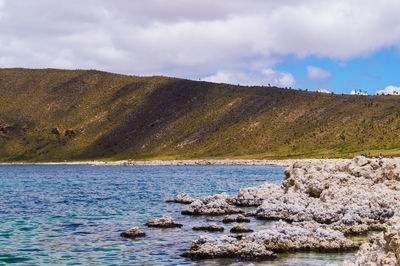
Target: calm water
pixel 73 214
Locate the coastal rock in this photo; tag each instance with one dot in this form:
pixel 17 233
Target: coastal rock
pixel 213 227
pixel 352 196
pixel 239 219
pixel 212 205
pixel 240 229
pixel 381 249
pixel 163 222
pixel 208 247
pixel 182 198
pixel 133 233
pixel 280 238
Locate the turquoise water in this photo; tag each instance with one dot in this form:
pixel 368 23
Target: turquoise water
pixel 73 214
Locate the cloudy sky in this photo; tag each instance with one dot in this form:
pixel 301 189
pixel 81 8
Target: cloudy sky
pixel 338 46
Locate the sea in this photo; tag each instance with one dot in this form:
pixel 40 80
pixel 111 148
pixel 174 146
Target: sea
pixel 74 214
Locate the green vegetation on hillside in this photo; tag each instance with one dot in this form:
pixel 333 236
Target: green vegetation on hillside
pixel 55 115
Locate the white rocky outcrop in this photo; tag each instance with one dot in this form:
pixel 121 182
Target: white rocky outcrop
pixel 281 237
pixel 381 249
pixel 182 198
pixel 219 204
pixel 163 222
pixel 352 196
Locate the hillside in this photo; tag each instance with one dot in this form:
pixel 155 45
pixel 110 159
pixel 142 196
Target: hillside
pixel 51 114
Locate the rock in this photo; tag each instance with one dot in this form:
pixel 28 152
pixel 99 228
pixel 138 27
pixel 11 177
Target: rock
pixel 381 249
pixel 352 196
pixel 242 219
pixel 239 219
pixel 182 198
pixel 133 233
pixel 213 227
pixel 163 222
pixel 240 229
pixel 213 205
pixel 228 219
pixel 208 247
pixel 281 237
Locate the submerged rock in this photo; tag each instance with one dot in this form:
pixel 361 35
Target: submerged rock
pixel 218 204
pixel 163 222
pixel 182 198
pixel 133 233
pixel 240 229
pixel 381 249
pixel 213 227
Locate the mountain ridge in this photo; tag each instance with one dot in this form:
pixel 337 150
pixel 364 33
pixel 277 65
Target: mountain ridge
pixel 56 115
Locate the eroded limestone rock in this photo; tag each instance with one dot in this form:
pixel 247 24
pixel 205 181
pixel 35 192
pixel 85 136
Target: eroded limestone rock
pixel 381 249
pixel 182 198
pixel 352 196
pixel 213 227
pixel 281 237
pixel 218 204
pixel 133 233
pixel 163 222
pixel 240 229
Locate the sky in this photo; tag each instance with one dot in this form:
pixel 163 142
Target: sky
pixel 349 46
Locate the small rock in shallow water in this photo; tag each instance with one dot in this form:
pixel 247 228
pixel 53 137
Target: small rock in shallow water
pixel 133 233
pixel 213 227
pixel 163 222
pixel 228 219
pixel 182 198
pixel 240 229
pixel 212 205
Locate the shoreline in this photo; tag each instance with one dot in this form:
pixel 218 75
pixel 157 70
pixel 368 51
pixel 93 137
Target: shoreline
pixel 200 162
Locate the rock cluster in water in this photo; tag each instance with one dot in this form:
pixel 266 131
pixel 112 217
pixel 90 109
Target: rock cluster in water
pixel 163 222
pixel 219 204
pixel 381 249
pixel 133 233
pixel 316 205
pixel 182 198
pixel 213 227
pixel 352 196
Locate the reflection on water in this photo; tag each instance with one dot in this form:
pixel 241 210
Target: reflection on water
pixel 74 214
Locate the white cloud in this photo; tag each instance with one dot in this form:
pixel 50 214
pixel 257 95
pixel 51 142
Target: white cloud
pixel 323 91
pixel 264 77
pixel 314 73
pixel 358 92
pixel 393 90
pixel 187 38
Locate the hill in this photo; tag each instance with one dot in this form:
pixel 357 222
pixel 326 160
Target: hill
pixel 55 115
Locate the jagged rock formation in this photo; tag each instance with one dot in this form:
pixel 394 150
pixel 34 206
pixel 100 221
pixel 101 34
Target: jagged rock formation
pixel 219 204
pixel 352 196
pixel 163 222
pixel 182 198
pixel 381 249
pixel 133 233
